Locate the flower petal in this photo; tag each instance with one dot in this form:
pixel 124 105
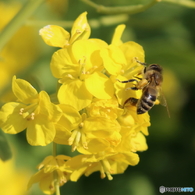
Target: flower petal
pixel 53 112
pixel 113 59
pixel 10 119
pixel 70 117
pixel 139 142
pixel 40 132
pixel 23 90
pixel 55 36
pixel 62 64
pixel 131 51
pixel 80 28
pixel 62 135
pixel 46 183
pixel 99 85
pixel 116 39
pixel 35 179
pixel 86 53
pixel 75 94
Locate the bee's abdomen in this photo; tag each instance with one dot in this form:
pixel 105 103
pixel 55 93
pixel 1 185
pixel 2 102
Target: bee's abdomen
pixel 145 103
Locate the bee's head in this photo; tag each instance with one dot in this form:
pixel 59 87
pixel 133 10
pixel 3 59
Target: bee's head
pixel 155 67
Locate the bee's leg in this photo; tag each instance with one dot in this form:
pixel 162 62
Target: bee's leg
pixel 128 81
pixel 132 101
pixel 138 78
pixel 134 88
pixel 142 63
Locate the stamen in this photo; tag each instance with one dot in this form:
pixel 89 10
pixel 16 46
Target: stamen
pixel 70 76
pixel 83 140
pixel 72 138
pixel 106 169
pixel 21 111
pixel 76 141
pixel 28 112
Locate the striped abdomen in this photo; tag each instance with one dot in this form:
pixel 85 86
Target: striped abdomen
pixel 147 100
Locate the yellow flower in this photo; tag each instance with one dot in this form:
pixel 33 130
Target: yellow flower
pixel 106 163
pixel 69 120
pixel 32 111
pixel 107 108
pixel 51 170
pixel 79 68
pixel 94 120
pixel 92 134
pixel 56 36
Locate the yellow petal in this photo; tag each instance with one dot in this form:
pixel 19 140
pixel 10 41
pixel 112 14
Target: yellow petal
pixel 132 51
pixel 46 183
pixel 100 127
pixel 70 117
pixel 113 59
pixel 62 135
pixel 53 112
pixel 35 179
pixel 116 39
pixel 86 53
pixel 55 36
pixel 10 119
pixel 45 161
pixel 78 173
pixel 81 28
pixel 62 64
pixel 118 167
pixel 132 158
pixel 75 94
pixel 100 86
pixel 139 142
pixel 97 145
pixel 40 132
pixel 23 90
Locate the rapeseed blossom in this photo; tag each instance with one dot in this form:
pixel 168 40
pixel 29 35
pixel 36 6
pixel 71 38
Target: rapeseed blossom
pixel 32 111
pixel 90 115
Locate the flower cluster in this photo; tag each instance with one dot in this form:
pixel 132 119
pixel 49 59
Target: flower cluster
pixel 90 116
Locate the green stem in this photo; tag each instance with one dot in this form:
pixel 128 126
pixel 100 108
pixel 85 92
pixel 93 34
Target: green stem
pixel 129 9
pixel 54 149
pixel 56 181
pixel 94 23
pixel 185 3
pixel 18 20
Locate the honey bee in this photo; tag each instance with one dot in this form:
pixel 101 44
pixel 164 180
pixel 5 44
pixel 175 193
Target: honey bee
pixel 150 84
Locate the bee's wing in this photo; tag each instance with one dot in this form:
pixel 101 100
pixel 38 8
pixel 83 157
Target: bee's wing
pixel 163 101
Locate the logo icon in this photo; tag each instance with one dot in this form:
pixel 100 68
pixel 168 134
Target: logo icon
pixel 162 189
